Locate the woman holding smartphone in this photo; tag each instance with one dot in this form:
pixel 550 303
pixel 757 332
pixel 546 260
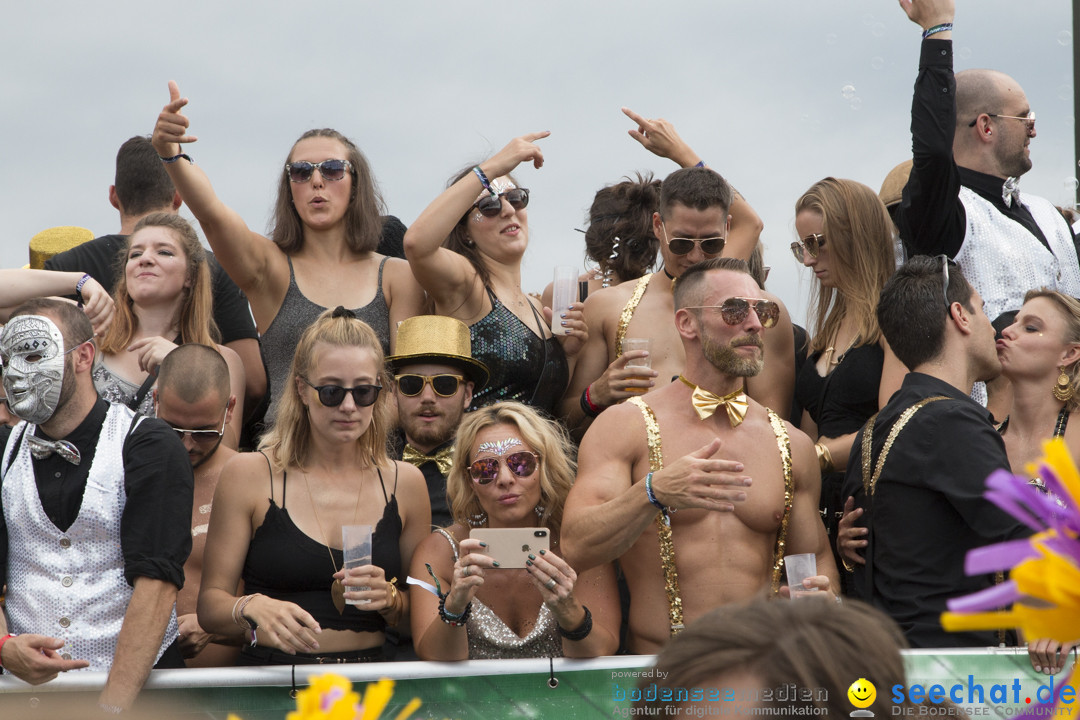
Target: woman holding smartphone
pixel 512 469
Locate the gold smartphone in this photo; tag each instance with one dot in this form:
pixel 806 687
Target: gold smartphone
pixel 511 547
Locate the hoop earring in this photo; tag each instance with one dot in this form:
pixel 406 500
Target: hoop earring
pixel 1063 389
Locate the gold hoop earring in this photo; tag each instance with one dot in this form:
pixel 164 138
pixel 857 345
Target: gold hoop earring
pixel 1063 389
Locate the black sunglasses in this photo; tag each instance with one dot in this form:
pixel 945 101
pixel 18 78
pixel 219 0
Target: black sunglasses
pixel 811 245
pixel 334 395
pixel 445 385
pixel 522 463
pixel 735 310
pixel 334 170
pixel 491 205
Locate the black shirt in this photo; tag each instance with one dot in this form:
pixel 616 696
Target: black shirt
pixel 931 217
pixel 102 259
pixel 155 530
pixel 928 508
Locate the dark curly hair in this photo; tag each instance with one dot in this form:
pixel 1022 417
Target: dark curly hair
pixel 624 211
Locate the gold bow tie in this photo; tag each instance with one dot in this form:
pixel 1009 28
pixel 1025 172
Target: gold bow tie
pixel 443 458
pixel 706 403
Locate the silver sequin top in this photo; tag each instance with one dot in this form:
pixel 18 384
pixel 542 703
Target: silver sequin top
pixel 491 639
pixel 117 390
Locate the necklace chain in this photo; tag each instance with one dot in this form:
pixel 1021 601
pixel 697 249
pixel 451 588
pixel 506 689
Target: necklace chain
pixel 318 522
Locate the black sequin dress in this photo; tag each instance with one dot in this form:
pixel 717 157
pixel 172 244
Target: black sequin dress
pixel 524 367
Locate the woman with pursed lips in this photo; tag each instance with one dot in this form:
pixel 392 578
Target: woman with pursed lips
pixel 466 250
pixel 512 469
pixel 321 252
pixel 163 299
pixel 279 513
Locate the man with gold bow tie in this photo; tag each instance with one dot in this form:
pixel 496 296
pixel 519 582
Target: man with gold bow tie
pixel 435 378
pixel 698 490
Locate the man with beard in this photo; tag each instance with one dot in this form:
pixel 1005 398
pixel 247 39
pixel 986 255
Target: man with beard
pixel 435 377
pixel 94 530
pixel 918 468
pixel 744 482
pixel 193 397
pixel 970 137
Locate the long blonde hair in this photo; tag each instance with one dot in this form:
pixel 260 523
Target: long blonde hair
pixel 196 316
pixel 546 438
pixel 288 442
pixel 858 234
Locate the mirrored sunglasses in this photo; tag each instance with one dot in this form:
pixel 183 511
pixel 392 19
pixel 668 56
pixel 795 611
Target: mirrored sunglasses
pixel 333 170
pixel 334 395
pixel 522 463
pixel 810 244
pixel 491 205
pixel 203 436
pixel 444 385
pixel 736 309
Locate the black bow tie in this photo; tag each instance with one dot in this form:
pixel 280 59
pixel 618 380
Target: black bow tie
pixel 42 449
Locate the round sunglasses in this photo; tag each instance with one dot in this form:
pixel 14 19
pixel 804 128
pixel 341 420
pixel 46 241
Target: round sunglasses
pixel 810 244
pixel 491 205
pixel 444 385
pixel 522 463
pixel 735 310
pixel 333 170
pixel 334 395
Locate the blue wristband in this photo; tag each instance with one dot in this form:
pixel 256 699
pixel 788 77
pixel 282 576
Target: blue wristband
pixel 652 495
pixel 484 181
pixel 943 27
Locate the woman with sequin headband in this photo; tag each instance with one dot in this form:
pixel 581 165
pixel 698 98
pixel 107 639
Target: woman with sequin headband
pixel 512 469
pixel 466 250
pixel 845 238
pixel 163 298
pixel 278 513
pixel 321 252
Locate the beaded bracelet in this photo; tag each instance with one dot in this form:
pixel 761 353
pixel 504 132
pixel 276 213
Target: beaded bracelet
pixel 943 27
pixel 587 405
pixel 652 495
pixel 484 181
pixel 582 630
pixel 174 158
pixel 453 618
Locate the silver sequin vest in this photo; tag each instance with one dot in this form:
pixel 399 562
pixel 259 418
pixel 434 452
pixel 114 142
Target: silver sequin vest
pixel 71 585
pixel 1002 260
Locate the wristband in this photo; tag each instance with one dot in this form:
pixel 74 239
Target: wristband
pixel 943 27
pixel 453 619
pixel 652 495
pixel 79 287
pixel 582 630
pixel 174 158
pixel 700 164
pixel 484 181
pixel 2 641
pixel 587 405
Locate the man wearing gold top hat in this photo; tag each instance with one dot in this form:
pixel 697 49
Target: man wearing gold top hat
pixel 696 489
pixel 435 378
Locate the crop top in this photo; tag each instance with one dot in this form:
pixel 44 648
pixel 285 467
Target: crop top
pixel 286 564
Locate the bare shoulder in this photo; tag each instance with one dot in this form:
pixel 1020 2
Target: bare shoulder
pixel 397 270
pixel 609 300
pixel 246 467
pixel 436 549
pixel 230 355
pixel 409 478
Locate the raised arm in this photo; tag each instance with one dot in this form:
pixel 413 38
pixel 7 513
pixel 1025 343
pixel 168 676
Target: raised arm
pixel 658 136
pixel 251 260
pixel 447 276
pixel 19 285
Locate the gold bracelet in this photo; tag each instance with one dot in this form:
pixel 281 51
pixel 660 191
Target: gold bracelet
pixel 396 601
pixel 824 458
pixel 847 566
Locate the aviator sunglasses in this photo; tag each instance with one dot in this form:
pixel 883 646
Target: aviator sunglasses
pixel 522 463
pixel 491 205
pixel 333 170
pixel 736 309
pixel 444 385
pixel 203 436
pixel 334 395
pixel 682 246
pixel 810 244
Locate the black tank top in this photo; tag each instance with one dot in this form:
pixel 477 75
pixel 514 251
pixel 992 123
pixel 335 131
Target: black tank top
pixel 288 565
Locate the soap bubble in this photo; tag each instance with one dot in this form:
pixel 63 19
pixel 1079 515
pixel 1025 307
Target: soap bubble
pixel 856 103
pixel 964 53
pixel 830 39
pixel 1064 38
pixel 848 91
pixel 1065 92
pixel 877 29
pixel 1071 184
pixel 877 62
pixel 868 20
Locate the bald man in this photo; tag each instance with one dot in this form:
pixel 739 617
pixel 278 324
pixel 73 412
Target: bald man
pixel 970 138
pixel 193 397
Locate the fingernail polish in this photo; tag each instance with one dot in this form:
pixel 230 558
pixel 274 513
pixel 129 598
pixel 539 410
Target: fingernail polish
pixel 483 544
pixel 531 556
pixel 495 563
pixel 529 563
pixel 543 552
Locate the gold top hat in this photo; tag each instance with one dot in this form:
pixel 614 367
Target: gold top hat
pixel 437 339
pixel 893 187
pixel 54 241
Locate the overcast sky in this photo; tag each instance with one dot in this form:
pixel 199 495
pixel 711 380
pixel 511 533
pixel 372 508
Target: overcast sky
pixel 774 95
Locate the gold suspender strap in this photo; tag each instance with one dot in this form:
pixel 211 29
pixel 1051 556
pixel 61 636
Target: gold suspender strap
pixel 783 442
pixel 663 522
pixel 628 312
pixel 870 481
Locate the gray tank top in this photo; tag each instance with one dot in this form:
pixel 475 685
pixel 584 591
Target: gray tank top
pixel 294 316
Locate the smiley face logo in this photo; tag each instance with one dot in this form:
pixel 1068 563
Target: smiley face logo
pixel 862 693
